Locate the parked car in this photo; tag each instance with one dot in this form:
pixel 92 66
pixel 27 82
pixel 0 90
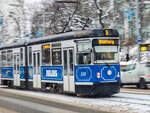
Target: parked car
pixel 136 74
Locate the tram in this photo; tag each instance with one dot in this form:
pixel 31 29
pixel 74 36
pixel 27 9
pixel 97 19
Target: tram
pixel 80 62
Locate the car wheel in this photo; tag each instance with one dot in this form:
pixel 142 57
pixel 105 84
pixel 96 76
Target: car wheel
pixel 142 84
pixel 121 85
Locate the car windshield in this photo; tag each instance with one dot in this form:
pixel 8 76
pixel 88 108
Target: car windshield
pixel 129 67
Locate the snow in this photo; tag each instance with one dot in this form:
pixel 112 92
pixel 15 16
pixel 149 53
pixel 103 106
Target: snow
pixel 32 1
pixel 118 103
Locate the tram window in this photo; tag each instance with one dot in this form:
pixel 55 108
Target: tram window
pixel 84 58
pixel 65 62
pixel 17 64
pixel 34 62
pixel 46 55
pixel 105 53
pixel 21 56
pixel 38 62
pixel 104 56
pixel 71 61
pixel 56 56
pixel 9 58
pixel 4 56
pixel 30 56
pixel 84 46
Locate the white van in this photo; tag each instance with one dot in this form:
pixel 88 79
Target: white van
pixel 137 74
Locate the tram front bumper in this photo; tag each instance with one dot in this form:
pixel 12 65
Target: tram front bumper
pixel 98 89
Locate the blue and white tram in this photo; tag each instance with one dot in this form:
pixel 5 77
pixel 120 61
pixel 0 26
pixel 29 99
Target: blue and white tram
pixel 81 62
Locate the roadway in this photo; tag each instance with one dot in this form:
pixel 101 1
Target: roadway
pixel 23 101
pixel 132 89
pixel 14 103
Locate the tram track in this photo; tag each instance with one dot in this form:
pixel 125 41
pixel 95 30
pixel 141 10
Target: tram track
pixel 127 100
pixel 135 91
pixel 130 96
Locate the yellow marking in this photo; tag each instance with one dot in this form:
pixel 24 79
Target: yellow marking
pixel 106 32
pixel 144 48
pixel 46 46
pixel 112 42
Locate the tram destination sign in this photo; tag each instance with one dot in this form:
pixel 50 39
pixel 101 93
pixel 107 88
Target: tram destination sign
pixel 111 42
pixel 144 47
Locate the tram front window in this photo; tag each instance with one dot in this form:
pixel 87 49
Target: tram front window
pixel 104 54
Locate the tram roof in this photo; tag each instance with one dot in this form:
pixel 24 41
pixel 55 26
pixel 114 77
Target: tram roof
pixel 64 36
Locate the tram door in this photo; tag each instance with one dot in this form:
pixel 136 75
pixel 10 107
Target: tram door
pixel 69 82
pixel 16 63
pixel 37 70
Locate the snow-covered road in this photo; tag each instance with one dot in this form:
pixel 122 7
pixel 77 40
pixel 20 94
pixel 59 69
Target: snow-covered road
pixel 119 103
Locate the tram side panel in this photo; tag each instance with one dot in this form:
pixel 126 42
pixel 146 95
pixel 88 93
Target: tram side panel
pixel 41 72
pixel 6 67
pixel 12 70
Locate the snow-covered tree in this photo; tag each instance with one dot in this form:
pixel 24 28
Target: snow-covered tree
pixel 74 15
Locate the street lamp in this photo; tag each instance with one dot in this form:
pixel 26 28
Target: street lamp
pixel 138 36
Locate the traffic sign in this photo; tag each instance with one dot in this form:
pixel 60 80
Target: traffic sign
pixel 129 13
pixel 138 38
pixel 39 34
pixel 1 21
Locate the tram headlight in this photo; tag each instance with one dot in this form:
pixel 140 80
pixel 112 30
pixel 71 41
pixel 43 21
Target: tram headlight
pixel 109 72
pixel 118 75
pixel 98 75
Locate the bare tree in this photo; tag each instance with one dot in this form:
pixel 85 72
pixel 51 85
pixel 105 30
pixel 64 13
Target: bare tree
pixel 63 17
pixel 100 13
